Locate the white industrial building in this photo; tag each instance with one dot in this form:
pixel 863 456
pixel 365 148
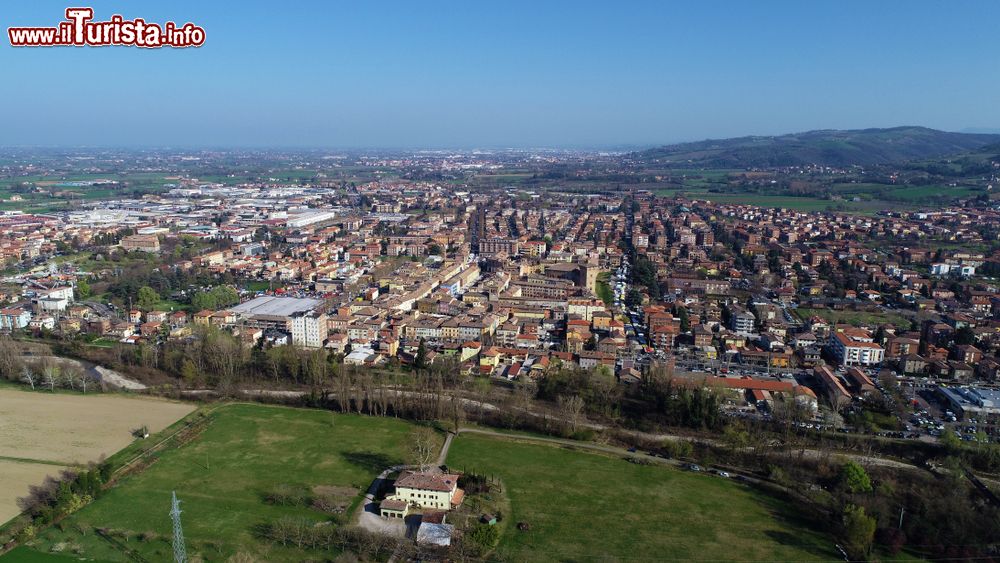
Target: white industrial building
pixel 302 317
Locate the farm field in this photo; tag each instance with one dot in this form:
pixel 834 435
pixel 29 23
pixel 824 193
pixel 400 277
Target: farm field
pixel 17 477
pixel 584 506
pixel 42 432
pixel 798 203
pixel 904 193
pixel 223 476
pixel 875 197
pixel 76 429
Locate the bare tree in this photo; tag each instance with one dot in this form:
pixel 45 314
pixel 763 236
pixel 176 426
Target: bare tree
pixel 226 357
pixel 457 412
pixel 28 376
pixel 572 408
pixel 85 379
pixel 50 374
pixel 423 447
pixel 71 376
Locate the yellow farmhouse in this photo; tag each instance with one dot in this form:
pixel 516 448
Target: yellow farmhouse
pixel 436 491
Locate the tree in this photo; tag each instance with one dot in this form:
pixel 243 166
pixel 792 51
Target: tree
pixel 457 413
pixel 72 375
pixel 859 531
pixel 85 379
pixel 950 441
pixel 147 298
pixel 189 371
pixel 216 298
pixel 633 299
pixel 965 335
pixel 854 478
pixel 51 374
pixel 316 367
pixel 82 289
pixel 420 361
pixel 735 436
pixel 423 447
pixel 571 407
pixel 28 376
pixel 879 337
pixel 10 359
pixel 225 357
pixel 682 314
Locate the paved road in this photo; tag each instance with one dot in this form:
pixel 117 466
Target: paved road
pixel 368 516
pixel 444 449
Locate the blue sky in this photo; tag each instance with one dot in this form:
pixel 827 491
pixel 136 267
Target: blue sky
pixel 415 73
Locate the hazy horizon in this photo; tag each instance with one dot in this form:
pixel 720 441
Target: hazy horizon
pixel 450 75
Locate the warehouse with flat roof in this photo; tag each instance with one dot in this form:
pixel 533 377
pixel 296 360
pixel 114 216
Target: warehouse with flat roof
pixel 270 311
pixel 974 401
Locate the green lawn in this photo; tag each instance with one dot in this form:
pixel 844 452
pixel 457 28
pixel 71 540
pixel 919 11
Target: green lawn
pixel 258 285
pixel 223 476
pixel 584 507
pixel 604 290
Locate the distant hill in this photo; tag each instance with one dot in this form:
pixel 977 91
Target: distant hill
pixel 991 149
pixel 863 147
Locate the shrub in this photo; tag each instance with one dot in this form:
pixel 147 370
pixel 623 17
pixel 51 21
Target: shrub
pixel 678 448
pixel 285 495
pixel 854 478
pixel 484 536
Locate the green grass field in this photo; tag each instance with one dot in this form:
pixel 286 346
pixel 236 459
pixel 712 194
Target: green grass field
pixel 603 288
pixel 223 476
pixel 580 506
pixel 28 555
pixel 796 203
pixel 873 197
pixel 583 507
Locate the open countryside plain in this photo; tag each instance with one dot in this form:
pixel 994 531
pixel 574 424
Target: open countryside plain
pixel 41 431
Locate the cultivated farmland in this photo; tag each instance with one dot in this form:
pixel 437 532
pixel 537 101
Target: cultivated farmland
pixel 76 429
pixel 17 477
pixel 65 430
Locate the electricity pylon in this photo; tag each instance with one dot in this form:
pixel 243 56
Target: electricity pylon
pixel 180 552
